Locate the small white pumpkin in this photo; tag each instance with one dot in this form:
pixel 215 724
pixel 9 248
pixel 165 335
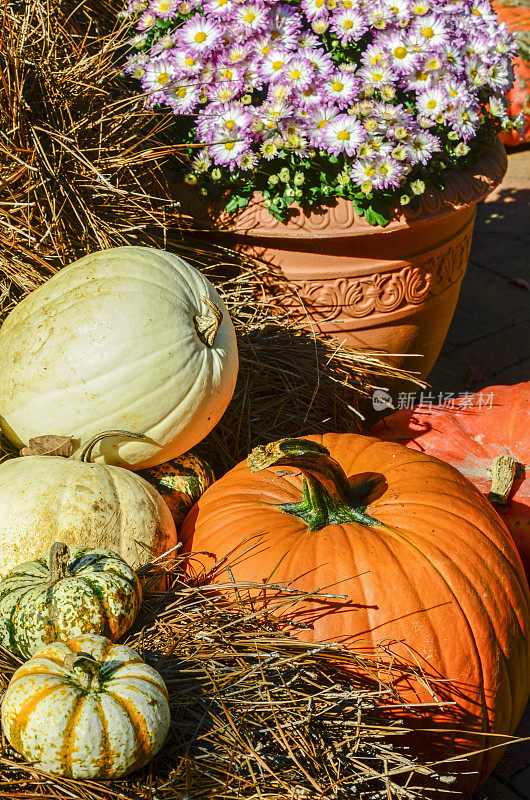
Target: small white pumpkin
pixel 47 499
pixel 130 338
pixel 86 709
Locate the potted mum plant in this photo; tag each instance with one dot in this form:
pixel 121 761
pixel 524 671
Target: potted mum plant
pixel 345 141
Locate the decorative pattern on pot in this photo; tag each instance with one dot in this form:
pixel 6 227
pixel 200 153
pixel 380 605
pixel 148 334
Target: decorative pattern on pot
pixel 385 292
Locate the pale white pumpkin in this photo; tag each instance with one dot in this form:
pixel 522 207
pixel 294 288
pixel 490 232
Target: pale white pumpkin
pixel 47 499
pixel 121 339
pixel 86 709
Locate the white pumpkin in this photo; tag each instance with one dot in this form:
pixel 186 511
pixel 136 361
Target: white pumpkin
pixel 131 338
pixel 47 499
pixel 86 709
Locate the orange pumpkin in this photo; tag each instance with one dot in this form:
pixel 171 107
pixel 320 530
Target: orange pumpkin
pixel 428 570
pixel 471 436
pixel 516 15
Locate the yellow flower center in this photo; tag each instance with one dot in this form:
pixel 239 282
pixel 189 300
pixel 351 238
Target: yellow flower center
pixel 163 78
pixel 308 92
pixel 347 3
pixel 163 6
pixel 275 35
pixel 427 32
pixel 422 76
pixel 277 65
pixel 343 136
pixel 369 171
pixel 250 17
pixel 189 61
pixel 431 104
pixel 200 37
pixel 181 92
pixel 453 92
pixel 348 24
pixel 295 74
pixel 383 170
pixel 227 74
pixel 229 145
pixel 323 123
pixel 400 52
pixel 319 3
pixel 394 9
pixel 338 86
pixel 377 76
pixel 230 125
pixel 266 50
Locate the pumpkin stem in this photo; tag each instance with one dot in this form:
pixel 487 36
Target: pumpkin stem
pixel 328 498
pixel 208 324
pixel 85 453
pixel 59 556
pixel 503 472
pixel 86 669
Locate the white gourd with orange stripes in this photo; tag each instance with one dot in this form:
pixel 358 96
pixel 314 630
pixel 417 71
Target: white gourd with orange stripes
pixel 102 714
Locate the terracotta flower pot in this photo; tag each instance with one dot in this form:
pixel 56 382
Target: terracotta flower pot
pixel 391 289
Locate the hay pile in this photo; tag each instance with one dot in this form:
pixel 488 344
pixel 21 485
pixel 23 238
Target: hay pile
pixel 254 715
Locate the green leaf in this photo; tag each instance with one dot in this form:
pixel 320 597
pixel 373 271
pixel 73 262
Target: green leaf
pixel 374 217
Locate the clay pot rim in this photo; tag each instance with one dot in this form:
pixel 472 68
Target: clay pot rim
pixel 463 188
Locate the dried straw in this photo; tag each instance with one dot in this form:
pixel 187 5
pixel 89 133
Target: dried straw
pixel 255 714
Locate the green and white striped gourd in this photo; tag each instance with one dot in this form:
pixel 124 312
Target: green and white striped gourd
pixel 66 593
pixel 87 709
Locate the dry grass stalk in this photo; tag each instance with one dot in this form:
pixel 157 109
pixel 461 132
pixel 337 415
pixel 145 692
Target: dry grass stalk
pixel 81 164
pixel 255 714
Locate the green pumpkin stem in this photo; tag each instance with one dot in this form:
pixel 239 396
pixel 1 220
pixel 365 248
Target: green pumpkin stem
pixel 86 668
pixel 503 473
pixel 85 453
pixel 327 497
pixel 208 324
pixel 59 556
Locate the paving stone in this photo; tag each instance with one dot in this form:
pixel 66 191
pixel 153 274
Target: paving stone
pixel 487 303
pixel 520 782
pixel 493 789
pixel 504 254
pixel 499 349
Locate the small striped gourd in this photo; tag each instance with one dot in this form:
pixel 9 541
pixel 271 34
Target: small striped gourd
pixel 180 482
pixel 87 709
pixel 66 593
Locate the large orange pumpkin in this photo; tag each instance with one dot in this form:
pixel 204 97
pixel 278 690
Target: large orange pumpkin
pixel 428 570
pixel 471 433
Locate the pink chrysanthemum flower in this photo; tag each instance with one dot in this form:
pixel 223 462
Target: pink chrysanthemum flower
pixel 165 9
pixel 299 73
pixel 200 34
pixel 342 88
pixel 343 134
pixel 348 25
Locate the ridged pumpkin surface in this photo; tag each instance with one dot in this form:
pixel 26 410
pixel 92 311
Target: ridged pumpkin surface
pixel 435 576
pixel 47 499
pixel 469 436
pixel 99 593
pixel 51 718
pixel 113 342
